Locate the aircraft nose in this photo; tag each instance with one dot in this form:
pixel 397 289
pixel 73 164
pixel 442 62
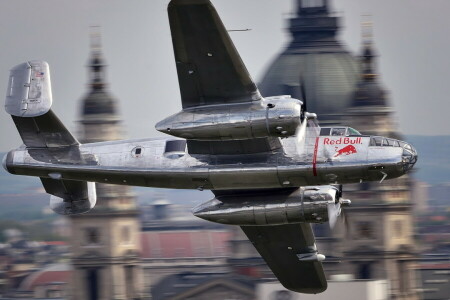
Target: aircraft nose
pixel 409 157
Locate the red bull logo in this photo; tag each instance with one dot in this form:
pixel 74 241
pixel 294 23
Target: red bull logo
pixel 342 141
pixel 347 150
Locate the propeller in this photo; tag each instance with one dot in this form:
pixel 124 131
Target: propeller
pixel 310 120
pixel 300 132
pixel 307 120
pixel 334 211
pixel 334 207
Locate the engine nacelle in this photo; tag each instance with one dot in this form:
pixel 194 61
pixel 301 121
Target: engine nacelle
pixel 304 205
pixel 274 116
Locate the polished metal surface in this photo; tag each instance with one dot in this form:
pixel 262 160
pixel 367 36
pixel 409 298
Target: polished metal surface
pixel 303 205
pixel 321 160
pixel 29 91
pixel 275 116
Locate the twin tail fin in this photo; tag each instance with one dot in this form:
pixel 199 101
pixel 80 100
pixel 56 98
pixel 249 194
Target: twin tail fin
pixel 29 101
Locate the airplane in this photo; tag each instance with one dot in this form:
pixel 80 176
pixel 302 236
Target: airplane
pixel 272 168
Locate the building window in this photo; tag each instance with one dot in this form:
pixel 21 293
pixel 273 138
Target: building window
pixel 365 230
pixel 398 229
pixel 129 289
pixel 126 234
pixel 92 235
pixel 365 271
pixel 403 276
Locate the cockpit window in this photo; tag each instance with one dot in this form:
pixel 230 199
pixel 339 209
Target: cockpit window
pixel 338 131
pixel 393 143
pixel 352 131
pixel 376 141
pixel 325 131
pixel 405 146
pixel 381 141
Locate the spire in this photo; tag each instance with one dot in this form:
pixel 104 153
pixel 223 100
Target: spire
pixel 369 91
pixel 96 63
pixel 98 104
pixel 367 56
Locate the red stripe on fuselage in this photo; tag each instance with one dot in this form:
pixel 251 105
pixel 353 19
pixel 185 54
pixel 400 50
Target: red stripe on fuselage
pixel 315 156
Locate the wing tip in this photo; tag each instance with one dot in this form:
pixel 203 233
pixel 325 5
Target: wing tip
pixel 187 2
pixel 306 290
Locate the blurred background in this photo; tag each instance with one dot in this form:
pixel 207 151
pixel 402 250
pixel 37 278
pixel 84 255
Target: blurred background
pixel 379 66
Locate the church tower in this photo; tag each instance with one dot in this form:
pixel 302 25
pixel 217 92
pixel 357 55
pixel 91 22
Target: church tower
pixel 105 241
pixel 379 236
pixel 376 239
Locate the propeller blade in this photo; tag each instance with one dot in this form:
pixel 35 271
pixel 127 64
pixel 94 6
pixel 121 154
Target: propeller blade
pixel 334 210
pixel 310 119
pixel 300 133
pixel 303 93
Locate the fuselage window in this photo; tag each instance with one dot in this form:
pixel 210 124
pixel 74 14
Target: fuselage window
pixel 175 149
pixel 137 151
pixel 175 146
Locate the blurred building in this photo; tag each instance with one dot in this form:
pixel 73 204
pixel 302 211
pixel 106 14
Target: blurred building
pixel 353 289
pixel 205 286
pixel 377 240
pixel 434 270
pixel 172 245
pixel 49 282
pixel 105 242
pixel 420 197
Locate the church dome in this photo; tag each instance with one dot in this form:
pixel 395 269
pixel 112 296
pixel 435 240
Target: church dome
pixel 315 67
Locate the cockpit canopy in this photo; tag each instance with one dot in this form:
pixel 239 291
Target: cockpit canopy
pixel 409 155
pixel 382 141
pixel 338 131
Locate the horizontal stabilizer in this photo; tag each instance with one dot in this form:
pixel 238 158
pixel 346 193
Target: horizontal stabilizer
pixel 70 197
pixel 45 131
pixel 29 91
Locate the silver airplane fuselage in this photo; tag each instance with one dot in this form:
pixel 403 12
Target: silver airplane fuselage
pixel 152 163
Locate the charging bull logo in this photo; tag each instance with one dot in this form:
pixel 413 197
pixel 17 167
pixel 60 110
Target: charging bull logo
pixel 347 150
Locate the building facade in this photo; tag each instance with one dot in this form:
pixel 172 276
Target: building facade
pixel 105 241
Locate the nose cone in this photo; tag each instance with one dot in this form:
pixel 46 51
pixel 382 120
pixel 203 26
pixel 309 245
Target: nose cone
pixel 7 161
pixel 409 157
pixel 4 162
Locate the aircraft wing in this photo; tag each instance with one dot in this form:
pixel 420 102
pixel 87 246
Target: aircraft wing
pixel 286 250
pixel 210 70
